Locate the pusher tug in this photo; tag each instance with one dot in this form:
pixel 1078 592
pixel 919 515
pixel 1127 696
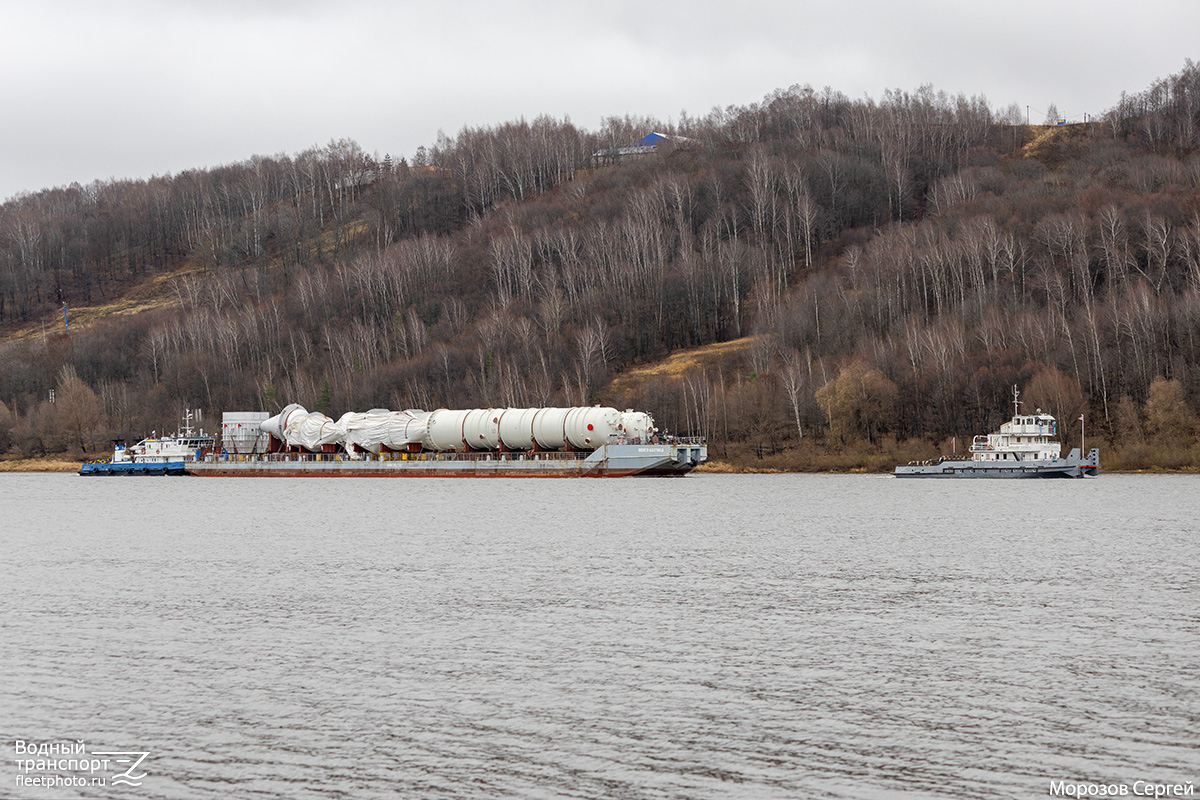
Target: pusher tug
pixel 1024 448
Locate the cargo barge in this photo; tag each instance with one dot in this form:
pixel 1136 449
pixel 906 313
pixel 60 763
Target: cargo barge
pixel 677 457
pixel 503 443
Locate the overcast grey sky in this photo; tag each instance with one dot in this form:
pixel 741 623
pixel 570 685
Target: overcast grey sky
pixel 134 88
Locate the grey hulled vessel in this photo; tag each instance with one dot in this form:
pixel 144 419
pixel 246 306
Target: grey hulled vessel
pixel 1025 447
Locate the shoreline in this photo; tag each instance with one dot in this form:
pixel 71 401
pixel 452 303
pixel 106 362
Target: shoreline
pixel 727 468
pixel 60 466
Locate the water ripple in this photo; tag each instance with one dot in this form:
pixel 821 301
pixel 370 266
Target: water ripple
pixel 716 637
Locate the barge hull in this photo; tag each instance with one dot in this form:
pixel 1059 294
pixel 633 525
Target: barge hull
pixel 609 461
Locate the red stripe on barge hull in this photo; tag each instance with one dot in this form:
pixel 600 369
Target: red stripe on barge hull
pixel 414 473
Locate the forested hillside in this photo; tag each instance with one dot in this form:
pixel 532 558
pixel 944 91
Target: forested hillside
pixel 890 268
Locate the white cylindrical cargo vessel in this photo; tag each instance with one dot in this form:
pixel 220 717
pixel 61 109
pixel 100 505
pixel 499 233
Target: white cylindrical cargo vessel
pixel 588 428
pixel 636 425
pixel 406 428
pixel 516 427
pixel 359 429
pixel 277 424
pixel 481 429
pixel 314 431
pixel 548 429
pixel 394 435
pixel 380 428
pixel 445 429
pixel 296 427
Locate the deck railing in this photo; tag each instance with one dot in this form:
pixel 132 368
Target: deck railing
pixel 427 455
pixel 386 457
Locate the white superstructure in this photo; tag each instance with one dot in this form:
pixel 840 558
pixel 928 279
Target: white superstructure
pixel 1028 437
pixel 183 446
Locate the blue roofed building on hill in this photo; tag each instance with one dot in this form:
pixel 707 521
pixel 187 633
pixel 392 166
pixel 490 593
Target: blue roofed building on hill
pixel 652 139
pixel 644 146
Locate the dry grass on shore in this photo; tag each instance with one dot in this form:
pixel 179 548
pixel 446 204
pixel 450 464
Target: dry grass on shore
pixel 681 363
pixel 1146 457
pixel 811 456
pixel 47 464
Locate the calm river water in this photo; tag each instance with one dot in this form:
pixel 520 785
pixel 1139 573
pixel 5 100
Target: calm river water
pixel 781 636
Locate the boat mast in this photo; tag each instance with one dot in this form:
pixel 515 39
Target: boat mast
pixel 1016 402
pixel 188 416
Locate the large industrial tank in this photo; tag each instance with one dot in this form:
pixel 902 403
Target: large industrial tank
pixel 481 428
pixel 407 428
pixel 278 423
pixel 548 429
pixel 363 430
pixel 380 428
pixel 297 427
pixel 445 430
pixel 588 428
pixel 636 425
pixel 516 427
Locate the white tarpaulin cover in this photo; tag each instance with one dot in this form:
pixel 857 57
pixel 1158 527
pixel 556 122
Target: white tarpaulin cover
pixel 298 427
pixel 379 428
pixel 313 430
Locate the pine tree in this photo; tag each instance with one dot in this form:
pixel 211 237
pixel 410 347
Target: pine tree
pixel 325 401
